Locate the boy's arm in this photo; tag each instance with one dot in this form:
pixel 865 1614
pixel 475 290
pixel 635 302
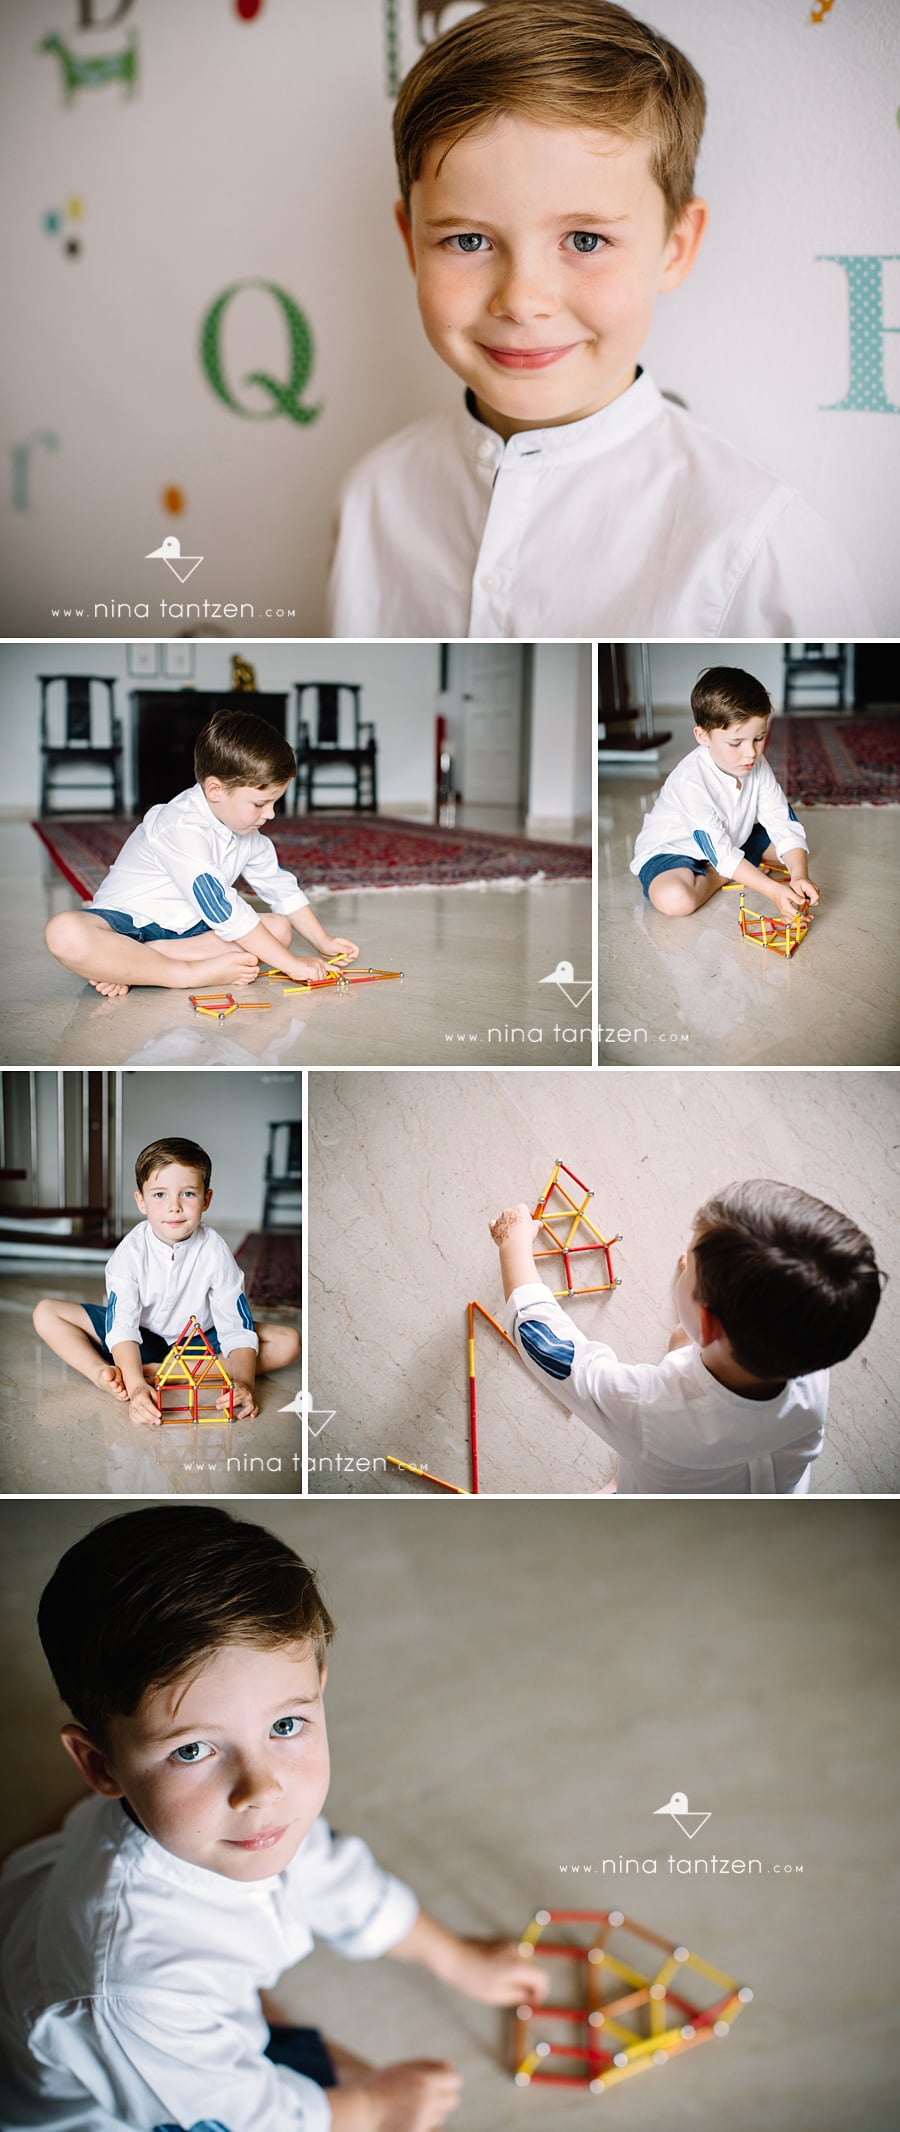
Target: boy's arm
pixel 233 1320
pixel 123 1327
pixel 787 896
pixel 584 1375
pixel 492 1971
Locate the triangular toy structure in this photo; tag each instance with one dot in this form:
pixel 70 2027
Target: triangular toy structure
pixel 620 2019
pixel 782 935
pixel 573 1222
pixel 189 1373
pixel 563 1224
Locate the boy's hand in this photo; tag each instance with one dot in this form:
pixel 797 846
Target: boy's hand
pixel 520 1218
pixel 143 1407
pixel 414 2096
pixel 805 887
pixel 245 1407
pixel 338 950
pixel 789 897
pixel 302 969
pixel 494 1972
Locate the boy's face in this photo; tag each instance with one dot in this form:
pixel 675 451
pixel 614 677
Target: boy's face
pixel 174 1202
pixel 242 807
pixel 735 747
pixel 539 252
pixel 227 1768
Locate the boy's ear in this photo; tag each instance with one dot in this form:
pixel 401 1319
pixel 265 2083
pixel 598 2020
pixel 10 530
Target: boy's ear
pixel 701 735
pixel 684 244
pixel 401 217
pixel 710 1328
pixel 91 1761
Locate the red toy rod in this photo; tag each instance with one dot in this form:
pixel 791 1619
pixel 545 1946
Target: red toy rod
pixel 583 1917
pixel 473 1424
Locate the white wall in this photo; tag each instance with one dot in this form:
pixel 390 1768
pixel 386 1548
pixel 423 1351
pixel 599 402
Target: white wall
pixel 559 785
pixel 399 691
pixel 674 669
pixel 260 152
pixel 227 1113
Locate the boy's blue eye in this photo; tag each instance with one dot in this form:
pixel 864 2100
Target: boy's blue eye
pixel 280 1727
pixel 585 240
pixel 194 1751
pixel 470 241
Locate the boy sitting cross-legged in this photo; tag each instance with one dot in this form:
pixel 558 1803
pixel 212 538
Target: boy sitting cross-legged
pixel 141 1942
pixel 167 912
pixel 722 811
pixel 169 1269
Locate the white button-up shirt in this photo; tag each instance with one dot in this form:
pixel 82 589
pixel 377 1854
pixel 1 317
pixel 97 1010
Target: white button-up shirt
pixel 706 813
pixel 158 1285
pixel 634 522
pixel 676 1430
pixel 179 868
pixel 130 1978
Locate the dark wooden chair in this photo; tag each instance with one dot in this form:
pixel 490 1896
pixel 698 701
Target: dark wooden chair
pixel 335 736
pixel 284 1183
pixel 817 668
pixel 77 741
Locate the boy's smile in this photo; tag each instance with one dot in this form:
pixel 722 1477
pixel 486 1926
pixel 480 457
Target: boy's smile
pixel 227 1769
pixel 174 1202
pixel 538 252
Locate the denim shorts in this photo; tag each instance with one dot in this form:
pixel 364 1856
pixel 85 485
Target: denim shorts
pixel 753 850
pixel 303 2049
pixel 153 1347
pixel 122 923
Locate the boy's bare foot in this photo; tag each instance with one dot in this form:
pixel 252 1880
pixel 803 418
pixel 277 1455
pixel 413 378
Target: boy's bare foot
pixel 110 1379
pixel 108 991
pixel 347 2065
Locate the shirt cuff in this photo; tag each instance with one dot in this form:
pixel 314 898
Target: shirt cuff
pixel 389 1922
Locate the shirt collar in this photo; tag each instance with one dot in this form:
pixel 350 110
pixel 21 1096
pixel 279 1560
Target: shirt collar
pixel 199 800
pixel 570 442
pixel 159 1246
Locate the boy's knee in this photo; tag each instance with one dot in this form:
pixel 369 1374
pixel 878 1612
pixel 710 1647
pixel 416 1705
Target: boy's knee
pixel 42 1314
pixel 63 934
pixel 673 897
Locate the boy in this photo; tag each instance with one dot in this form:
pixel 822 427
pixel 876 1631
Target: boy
pixel 172 884
pixel 165 1272
pixel 774 1288
pixel 546 153
pixel 722 811
pixel 190 1648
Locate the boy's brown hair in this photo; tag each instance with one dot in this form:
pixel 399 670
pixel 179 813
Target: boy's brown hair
pixel 794 1284
pixel 145 1598
pixel 726 695
pixel 575 63
pixel 240 749
pixel 161 1152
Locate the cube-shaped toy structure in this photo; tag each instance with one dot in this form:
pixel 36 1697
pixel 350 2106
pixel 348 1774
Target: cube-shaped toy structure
pixel 563 1224
pixel 626 2006
pixel 191 1379
pixel 782 935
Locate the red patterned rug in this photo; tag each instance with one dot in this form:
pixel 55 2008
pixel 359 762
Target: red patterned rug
pixel 271 1268
pixel 836 762
pixel 344 851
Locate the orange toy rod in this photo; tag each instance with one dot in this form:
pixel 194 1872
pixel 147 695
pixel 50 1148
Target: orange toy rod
pixel 473 1425
pixel 426 1476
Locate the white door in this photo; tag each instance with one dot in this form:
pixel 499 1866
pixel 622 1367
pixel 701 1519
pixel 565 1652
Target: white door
pixel 485 692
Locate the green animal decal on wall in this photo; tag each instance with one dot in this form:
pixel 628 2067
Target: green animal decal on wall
pixel 80 73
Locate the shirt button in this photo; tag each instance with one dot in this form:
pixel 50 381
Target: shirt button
pixel 485 452
pixel 489 582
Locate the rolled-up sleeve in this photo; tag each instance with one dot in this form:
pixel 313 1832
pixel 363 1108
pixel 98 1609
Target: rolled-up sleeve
pixel 349 1900
pixel 278 888
pixel 232 1316
pixel 123 1299
pixel 787 834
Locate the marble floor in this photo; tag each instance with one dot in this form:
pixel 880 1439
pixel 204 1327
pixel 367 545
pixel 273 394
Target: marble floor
pixel 62 1437
pixel 510 1693
pixel 404 1172
pixel 475 965
pixel 690 991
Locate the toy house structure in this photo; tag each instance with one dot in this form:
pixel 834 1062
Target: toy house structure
pixel 191 1379
pixel 782 935
pixel 619 2019
pixel 562 1225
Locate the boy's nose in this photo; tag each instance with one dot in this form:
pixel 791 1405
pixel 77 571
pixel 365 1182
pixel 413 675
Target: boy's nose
pixel 254 1781
pixel 521 293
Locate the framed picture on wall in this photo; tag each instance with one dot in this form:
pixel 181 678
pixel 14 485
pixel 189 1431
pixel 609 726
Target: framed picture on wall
pixel 143 661
pixel 179 661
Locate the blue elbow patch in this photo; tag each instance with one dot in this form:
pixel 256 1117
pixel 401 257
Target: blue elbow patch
pixel 703 838
pixel 244 1313
pixel 545 1347
pixel 211 897
pixel 110 1313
